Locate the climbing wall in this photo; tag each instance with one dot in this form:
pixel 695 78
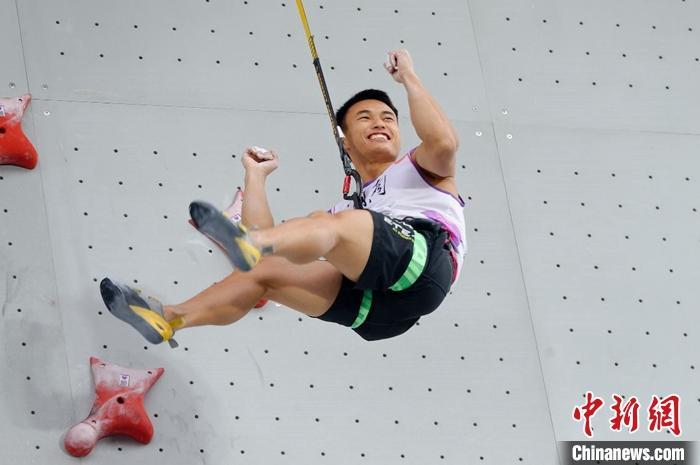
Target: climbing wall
pixel 579 137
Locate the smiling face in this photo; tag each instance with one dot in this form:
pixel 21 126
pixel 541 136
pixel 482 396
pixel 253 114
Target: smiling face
pixel 372 131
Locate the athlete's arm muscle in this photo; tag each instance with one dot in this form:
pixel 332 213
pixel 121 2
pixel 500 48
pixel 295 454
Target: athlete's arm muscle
pixel 439 141
pixel 258 164
pixel 437 152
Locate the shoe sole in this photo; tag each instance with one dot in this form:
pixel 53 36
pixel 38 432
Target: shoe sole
pixel 213 224
pixel 117 299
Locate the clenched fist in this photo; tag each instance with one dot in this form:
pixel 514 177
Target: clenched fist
pixel 400 65
pixel 259 161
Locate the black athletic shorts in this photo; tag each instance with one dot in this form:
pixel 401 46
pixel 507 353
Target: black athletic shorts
pixel 393 312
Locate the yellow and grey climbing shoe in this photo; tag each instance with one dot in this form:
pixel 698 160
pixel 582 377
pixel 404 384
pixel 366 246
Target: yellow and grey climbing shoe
pixel 232 238
pixel 126 304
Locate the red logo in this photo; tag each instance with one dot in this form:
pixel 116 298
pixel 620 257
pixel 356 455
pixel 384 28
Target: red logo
pixel 589 409
pixel 663 413
pixel 627 414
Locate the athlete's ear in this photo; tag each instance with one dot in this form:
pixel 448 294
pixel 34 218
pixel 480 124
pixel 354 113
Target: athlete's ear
pixel 345 144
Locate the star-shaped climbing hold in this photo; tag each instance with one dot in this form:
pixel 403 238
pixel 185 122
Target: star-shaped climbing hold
pixel 118 407
pixel 15 147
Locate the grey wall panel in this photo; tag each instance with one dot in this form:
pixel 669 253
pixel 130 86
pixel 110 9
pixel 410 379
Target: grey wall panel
pixel 434 33
pixel 13 78
pixel 255 58
pixel 36 399
pixel 591 64
pixel 581 272
pixel 466 372
pixel 607 227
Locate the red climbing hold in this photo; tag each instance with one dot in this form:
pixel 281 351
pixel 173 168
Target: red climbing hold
pixel 118 407
pixel 15 147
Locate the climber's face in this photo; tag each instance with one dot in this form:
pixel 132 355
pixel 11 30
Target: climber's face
pixel 371 132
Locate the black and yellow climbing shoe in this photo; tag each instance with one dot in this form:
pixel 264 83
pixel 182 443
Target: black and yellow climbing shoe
pixel 232 238
pixel 126 304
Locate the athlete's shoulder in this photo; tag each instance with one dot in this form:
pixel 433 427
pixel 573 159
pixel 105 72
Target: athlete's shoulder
pixel 439 162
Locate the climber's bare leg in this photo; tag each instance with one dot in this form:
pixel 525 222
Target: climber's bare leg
pixel 292 276
pixel 310 289
pixel 345 239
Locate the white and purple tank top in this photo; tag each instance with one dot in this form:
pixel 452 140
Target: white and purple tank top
pixel 402 191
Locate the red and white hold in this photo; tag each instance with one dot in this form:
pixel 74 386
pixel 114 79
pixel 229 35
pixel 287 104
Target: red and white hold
pixel 118 407
pixel 15 147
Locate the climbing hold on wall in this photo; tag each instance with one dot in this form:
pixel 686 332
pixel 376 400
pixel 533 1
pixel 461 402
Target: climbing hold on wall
pixel 118 407
pixel 15 147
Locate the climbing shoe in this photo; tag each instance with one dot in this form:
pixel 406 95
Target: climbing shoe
pixel 147 318
pixel 231 237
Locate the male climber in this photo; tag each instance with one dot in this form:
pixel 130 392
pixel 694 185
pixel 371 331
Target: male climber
pixel 385 265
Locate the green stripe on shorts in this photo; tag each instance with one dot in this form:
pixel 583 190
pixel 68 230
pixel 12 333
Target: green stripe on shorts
pixel 364 309
pixel 416 266
pixel 410 276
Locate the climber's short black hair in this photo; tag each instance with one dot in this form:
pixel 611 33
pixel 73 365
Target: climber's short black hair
pixel 367 94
